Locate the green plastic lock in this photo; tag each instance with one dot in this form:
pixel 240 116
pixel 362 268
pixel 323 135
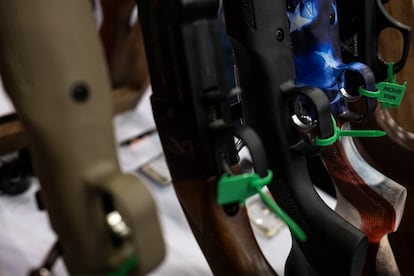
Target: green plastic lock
pixel 389 93
pixel 125 268
pixel 237 188
pixel 352 133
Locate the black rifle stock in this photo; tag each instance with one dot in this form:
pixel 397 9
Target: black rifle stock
pixel 260 36
pixel 189 103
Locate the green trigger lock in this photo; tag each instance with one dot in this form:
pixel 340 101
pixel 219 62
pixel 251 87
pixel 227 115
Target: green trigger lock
pixel 237 188
pixel 353 133
pixel 389 92
pixel 125 268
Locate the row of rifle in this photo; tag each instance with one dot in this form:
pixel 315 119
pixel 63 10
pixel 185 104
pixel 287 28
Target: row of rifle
pixel 308 71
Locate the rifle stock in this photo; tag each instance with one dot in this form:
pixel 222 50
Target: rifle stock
pixel 394 161
pixel 359 198
pixel 189 98
pixel 260 36
pixel 54 71
pixel 123 45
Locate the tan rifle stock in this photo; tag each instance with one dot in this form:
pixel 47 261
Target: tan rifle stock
pixel 53 68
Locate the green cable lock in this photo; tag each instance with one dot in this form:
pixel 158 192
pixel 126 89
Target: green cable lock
pixel 353 133
pixel 389 92
pixel 237 188
pixel 125 268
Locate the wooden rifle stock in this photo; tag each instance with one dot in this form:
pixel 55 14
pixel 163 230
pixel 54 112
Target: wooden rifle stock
pixel 397 156
pixel 189 98
pixel 123 45
pixel 226 240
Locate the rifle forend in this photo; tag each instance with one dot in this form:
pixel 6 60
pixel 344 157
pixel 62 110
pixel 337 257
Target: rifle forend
pixel 54 71
pixel 192 114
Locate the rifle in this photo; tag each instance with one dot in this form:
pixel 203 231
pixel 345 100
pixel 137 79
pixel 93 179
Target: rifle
pixel 315 22
pixel 361 23
pixel 123 45
pixel 367 199
pixel 397 146
pixel 54 71
pixel 260 36
pixel 192 115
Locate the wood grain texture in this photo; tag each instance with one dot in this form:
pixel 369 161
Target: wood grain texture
pixel 390 49
pixel 393 155
pixel 123 45
pixel 227 241
pixel 12 136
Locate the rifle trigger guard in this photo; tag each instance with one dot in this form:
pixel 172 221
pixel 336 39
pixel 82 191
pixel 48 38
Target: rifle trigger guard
pixel 320 102
pixel 255 146
pixel 369 84
pixel 252 142
pixel 130 206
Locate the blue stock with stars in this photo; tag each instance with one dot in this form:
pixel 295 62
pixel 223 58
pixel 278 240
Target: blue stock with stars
pixel 317 54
